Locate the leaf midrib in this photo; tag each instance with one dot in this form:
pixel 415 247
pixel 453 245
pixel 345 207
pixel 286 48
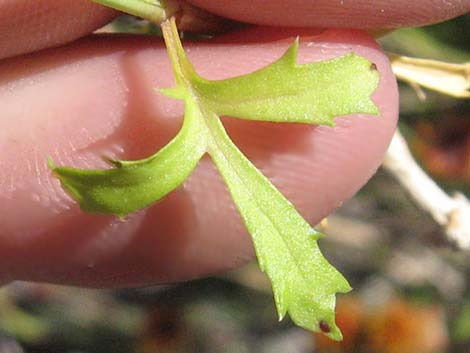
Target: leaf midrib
pixel 215 139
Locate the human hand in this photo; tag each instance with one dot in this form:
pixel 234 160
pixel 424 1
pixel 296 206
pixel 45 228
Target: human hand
pixel 96 97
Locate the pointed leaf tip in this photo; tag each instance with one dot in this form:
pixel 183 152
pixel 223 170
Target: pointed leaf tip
pixel 50 163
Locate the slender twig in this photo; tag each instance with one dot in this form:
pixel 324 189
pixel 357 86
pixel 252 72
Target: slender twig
pixel 452 213
pixel 448 78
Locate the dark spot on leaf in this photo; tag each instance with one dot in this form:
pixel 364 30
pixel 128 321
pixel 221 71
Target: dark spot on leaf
pixel 324 326
pixel 373 67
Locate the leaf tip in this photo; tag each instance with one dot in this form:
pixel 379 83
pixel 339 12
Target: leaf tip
pixel 296 41
pixel 346 288
pixel 173 92
pixel 315 234
pixel 50 163
pixel 290 55
pixel 335 335
pixel 111 161
pixel 329 328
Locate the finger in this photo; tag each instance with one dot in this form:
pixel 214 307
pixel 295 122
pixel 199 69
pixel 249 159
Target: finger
pixel 97 98
pixel 344 13
pixel 30 25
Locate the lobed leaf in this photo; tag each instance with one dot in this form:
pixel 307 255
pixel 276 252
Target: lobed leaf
pixel 132 185
pixel 284 91
pixel 303 281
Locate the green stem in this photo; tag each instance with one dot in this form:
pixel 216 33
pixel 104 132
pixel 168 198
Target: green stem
pixel 155 11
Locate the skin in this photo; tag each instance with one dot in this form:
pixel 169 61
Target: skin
pixel 95 97
pixel 338 13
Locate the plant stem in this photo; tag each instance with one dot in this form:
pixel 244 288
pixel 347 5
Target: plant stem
pixel 451 213
pixel 447 78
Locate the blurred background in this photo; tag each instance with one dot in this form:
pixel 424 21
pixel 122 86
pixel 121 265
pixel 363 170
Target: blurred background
pixel 411 287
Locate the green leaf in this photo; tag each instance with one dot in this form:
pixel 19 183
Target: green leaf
pixel 136 184
pixel 285 91
pixel 303 281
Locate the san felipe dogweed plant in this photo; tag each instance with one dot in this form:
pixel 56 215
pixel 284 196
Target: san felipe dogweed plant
pixel 303 282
